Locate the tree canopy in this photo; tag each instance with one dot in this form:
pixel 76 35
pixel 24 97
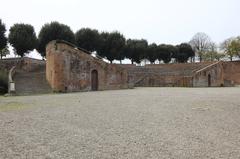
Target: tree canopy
pixel 88 39
pixel 231 47
pixel 184 52
pixel 200 43
pixel 112 46
pixel 4 52
pixel 53 31
pixel 152 52
pixel 23 38
pixel 3 38
pixel 136 50
pixel 165 52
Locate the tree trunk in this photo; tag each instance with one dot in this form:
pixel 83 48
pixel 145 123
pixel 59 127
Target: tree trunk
pixel 132 62
pixel 120 61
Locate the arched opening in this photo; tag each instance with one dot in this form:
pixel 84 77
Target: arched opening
pixel 209 80
pixel 94 80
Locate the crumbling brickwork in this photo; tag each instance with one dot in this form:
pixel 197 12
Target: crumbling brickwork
pixel 69 69
pixel 231 73
pixel 172 75
pixel 24 63
pixel 210 76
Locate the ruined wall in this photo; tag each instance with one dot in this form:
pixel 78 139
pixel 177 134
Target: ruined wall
pixel 210 76
pixel 163 75
pixel 165 81
pixel 69 69
pixel 25 63
pixel 231 73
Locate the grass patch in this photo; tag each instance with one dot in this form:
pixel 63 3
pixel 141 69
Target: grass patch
pixel 11 106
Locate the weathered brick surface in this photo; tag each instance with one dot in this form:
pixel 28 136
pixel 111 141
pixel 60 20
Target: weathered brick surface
pixel 210 76
pixel 162 75
pixel 231 73
pixel 25 63
pixel 69 70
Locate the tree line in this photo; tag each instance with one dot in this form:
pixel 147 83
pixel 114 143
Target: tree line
pixel 113 45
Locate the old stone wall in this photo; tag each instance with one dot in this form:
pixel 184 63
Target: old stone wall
pixel 162 75
pixel 70 69
pixel 25 63
pixel 210 76
pixel 231 73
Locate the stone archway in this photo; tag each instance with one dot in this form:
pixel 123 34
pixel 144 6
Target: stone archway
pixel 209 80
pixel 94 80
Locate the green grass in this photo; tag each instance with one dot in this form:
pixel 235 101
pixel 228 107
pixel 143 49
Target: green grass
pixel 11 106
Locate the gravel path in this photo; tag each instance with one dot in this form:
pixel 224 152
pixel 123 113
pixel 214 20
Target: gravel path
pixel 139 123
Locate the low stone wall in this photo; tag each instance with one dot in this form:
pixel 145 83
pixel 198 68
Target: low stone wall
pixel 70 69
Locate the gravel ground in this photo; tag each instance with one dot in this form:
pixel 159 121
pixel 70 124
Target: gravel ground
pixel 139 123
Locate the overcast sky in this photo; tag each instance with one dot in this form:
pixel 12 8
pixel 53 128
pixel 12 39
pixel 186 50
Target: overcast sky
pixel 160 21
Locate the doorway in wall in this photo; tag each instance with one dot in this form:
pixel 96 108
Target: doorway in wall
pixel 209 80
pixel 94 80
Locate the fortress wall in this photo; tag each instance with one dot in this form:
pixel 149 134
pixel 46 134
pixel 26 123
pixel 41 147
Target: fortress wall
pixel 211 76
pixel 69 70
pixel 24 63
pixel 162 75
pixel 231 73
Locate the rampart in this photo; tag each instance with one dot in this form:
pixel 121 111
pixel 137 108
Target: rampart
pixel 70 69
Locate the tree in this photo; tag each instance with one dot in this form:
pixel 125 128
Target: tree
pixel 152 52
pixel 102 49
pixel 165 52
pixel 212 53
pixel 184 52
pixel 88 39
pixel 142 46
pixel 136 50
pixel 23 38
pixel 200 43
pixel 231 47
pixel 112 46
pixel 236 46
pixel 130 51
pixel 4 52
pixel 3 39
pixel 53 31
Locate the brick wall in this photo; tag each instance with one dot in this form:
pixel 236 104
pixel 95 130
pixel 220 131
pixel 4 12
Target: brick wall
pixel 24 63
pixel 210 76
pixel 231 73
pixel 162 75
pixel 69 69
